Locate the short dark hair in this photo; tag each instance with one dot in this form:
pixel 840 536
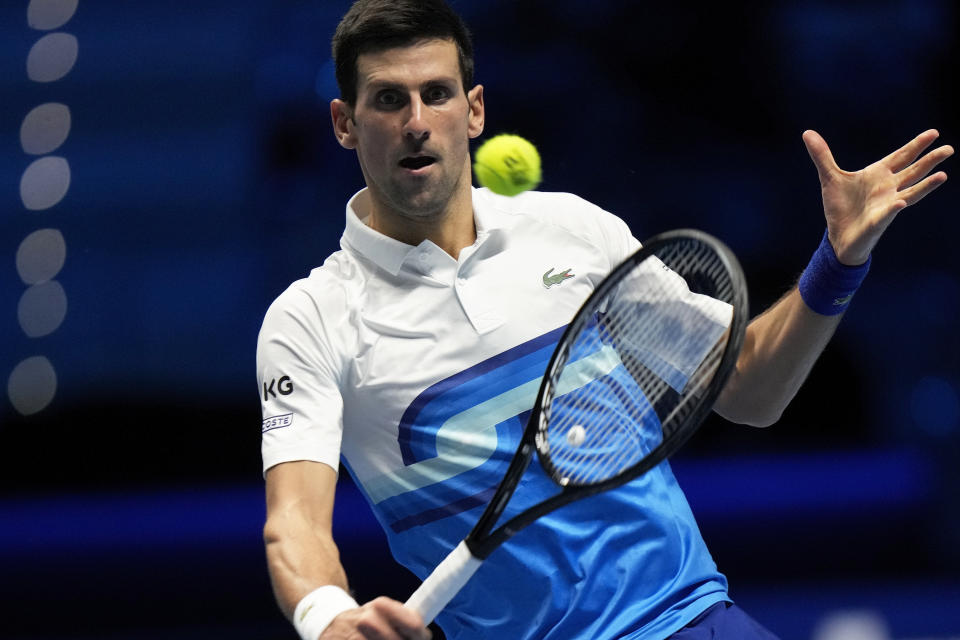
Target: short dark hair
pixel 371 26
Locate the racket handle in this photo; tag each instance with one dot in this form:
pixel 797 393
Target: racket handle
pixel 443 584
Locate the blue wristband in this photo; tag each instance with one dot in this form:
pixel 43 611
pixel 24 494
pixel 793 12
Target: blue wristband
pixel 827 285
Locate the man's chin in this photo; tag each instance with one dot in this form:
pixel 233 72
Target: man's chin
pixel 423 205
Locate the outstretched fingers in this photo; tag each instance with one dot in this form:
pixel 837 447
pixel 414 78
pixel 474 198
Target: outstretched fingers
pixel 919 191
pixel 919 169
pixel 905 155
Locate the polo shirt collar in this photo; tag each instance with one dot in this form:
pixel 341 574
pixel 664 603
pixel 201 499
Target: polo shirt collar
pixel 384 251
pixel 390 254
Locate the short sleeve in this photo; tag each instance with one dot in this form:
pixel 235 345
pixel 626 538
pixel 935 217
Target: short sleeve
pixel 298 375
pixel 616 237
pixel 690 324
pixel 680 327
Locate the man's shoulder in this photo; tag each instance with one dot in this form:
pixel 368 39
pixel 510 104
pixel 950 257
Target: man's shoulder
pixel 539 203
pixel 326 290
pixel 559 209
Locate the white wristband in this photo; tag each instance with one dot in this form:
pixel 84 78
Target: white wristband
pixel 318 609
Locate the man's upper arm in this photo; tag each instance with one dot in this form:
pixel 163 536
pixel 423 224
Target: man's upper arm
pixel 298 371
pixel 304 487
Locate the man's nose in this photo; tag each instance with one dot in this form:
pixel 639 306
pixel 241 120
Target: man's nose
pixel 416 126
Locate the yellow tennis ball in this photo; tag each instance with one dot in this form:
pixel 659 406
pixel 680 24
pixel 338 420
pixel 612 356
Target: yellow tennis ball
pixel 507 164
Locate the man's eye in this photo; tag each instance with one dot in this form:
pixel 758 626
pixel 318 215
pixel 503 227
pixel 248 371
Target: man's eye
pixel 437 94
pixel 388 99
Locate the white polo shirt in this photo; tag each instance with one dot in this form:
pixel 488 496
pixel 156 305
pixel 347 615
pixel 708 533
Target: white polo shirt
pixel 418 370
pixel 380 321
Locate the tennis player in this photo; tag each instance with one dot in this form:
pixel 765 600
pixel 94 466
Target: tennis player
pixel 414 352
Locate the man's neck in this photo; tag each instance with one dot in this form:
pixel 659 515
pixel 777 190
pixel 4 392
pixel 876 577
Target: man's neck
pixel 451 230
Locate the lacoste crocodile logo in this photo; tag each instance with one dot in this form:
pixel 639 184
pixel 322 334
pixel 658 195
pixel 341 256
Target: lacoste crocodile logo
pixel 550 280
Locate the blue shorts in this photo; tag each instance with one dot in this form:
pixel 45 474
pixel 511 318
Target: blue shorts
pixel 723 621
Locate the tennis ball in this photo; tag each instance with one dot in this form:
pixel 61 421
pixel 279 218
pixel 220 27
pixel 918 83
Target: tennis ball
pixel 507 164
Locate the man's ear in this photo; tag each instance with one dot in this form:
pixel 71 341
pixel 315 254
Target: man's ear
pixel 342 115
pixel 477 114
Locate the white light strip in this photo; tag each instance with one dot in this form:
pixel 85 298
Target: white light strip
pixel 32 384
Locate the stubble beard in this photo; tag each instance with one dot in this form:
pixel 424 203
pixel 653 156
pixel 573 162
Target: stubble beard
pixel 422 203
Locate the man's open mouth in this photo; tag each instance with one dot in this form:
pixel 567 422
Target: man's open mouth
pixel 417 162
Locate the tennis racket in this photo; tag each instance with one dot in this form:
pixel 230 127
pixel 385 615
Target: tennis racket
pixel 633 376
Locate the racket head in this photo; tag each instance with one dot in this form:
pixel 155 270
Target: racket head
pixel 642 362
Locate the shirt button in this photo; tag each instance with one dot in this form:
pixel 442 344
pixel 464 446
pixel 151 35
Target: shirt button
pixel 461 281
pixel 423 257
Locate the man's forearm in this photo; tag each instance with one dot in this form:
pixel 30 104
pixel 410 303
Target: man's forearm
pixel 779 350
pixel 299 563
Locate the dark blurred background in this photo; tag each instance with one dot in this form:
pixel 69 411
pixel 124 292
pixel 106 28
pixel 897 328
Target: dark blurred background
pixel 168 169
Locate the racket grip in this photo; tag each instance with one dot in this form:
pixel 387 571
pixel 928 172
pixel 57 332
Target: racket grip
pixel 443 584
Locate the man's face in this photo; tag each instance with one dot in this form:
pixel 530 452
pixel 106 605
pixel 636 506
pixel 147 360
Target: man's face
pixel 411 127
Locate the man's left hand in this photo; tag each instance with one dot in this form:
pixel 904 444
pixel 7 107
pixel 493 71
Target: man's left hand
pixel 860 205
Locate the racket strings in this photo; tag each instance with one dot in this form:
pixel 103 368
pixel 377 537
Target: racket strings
pixel 612 438
pixel 610 442
pixel 605 419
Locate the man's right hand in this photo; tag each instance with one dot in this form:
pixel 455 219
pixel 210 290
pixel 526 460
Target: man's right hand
pixel 380 619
